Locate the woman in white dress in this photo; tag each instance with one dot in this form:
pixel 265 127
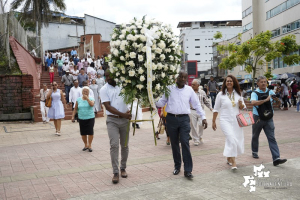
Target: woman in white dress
pixel 56 111
pixel 94 87
pixel 228 103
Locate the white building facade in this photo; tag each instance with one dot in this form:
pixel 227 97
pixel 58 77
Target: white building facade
pixel 282 17
pixel 196 40
pixel 67 34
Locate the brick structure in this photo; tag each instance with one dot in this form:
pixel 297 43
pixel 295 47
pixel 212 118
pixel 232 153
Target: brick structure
pixel 100 47
pixel 16 93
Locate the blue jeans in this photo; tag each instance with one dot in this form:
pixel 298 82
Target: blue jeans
pixel 60 70
pixel 67 91
pixel 298 105
pixel 179 129
pixel 213 98
pixel 269 129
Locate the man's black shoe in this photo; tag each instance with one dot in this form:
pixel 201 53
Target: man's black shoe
pixel 137 126
pixel 254 155
pixel 279 161
pixel 133 124
pixel 176 171
pixel 189 175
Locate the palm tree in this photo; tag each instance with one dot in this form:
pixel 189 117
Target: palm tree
pixel 39 11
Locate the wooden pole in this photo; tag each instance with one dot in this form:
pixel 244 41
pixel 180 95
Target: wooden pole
pixel 153 128
pixel 136 113
pixel 128 128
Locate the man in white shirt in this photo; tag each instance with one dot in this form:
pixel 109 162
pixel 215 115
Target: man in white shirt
pixel 118 117
pixel 75 92
pixel 44 109
pixel 178 102
pixel 54 58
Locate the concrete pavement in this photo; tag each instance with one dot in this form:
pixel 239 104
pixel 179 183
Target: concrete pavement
pixel 36 164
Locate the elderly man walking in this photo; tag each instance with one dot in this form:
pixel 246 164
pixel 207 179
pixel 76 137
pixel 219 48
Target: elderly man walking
pixel 262 101
pixel 67 80
pixel 213 89
pixel 118 117
pixel 75 92
pixel 178 121
pixel 196 127
pixel 44 109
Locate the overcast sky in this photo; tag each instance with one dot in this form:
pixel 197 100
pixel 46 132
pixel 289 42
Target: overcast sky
pixel 167 11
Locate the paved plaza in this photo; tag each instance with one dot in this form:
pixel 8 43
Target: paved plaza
pixel 36 164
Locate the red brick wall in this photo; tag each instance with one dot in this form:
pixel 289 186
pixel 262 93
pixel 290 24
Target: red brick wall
pixel 16 93
pixel 100 47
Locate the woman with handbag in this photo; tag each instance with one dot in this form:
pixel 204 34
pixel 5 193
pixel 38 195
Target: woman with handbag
pixel 229 103
pixel 56 110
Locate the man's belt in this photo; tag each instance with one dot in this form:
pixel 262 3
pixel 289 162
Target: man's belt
pixel 179 115
pixel 115 116
pixel 193 109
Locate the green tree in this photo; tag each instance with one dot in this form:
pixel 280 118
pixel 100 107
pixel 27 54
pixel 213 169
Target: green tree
pixel 39 11
pixel 257 52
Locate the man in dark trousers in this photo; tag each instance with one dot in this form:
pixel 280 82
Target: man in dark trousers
pixel 261 99
pixel 178 121
pixel 213 89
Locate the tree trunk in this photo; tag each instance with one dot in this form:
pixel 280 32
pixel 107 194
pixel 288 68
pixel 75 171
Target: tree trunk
pixel 253 76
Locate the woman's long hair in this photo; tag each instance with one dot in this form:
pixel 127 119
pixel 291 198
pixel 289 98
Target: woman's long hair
pixel 236 85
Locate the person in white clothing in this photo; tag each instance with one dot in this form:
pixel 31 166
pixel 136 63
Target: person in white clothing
pixel 228 103
pixel 44 109
pixel 196 123
pixel 75 72
pixel 75 92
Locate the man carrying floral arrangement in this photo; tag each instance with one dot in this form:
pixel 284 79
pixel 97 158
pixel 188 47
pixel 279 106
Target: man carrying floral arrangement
pixel 178 122
pixel 118 117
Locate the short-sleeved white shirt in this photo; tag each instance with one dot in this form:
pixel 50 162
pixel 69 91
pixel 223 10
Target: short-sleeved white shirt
pixel 111 94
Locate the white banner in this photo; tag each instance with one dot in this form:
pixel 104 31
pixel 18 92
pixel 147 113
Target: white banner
pixel 150 34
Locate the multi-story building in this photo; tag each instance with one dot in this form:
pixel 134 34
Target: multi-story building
pixel 65 31
pixel 196 40
pixel 282 17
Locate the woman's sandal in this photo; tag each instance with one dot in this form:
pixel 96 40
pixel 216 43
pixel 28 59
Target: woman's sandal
pixel 85 148
pixel 58 133
pixel 90 150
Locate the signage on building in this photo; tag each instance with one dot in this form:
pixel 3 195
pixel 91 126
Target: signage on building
pixel 248 76
pixel 238 76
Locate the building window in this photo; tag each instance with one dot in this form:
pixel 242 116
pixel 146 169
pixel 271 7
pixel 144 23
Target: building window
pixel 276 32
pixel 197 39
pixel 290 27
pixel 197 54
pixel 247 27
pixel 197 46
pixel 281 8
pixel 275 63
pixel 247 12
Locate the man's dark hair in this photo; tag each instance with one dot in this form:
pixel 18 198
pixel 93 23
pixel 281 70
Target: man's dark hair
pixel 84 82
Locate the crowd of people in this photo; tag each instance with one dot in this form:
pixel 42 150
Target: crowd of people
pixel 182 114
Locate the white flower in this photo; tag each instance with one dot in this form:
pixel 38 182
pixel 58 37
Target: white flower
pixel 129 37
pixel 123 91
pixel 132 55
pixel 123 71
pixel 159 66
pixel 131 73
pixel 116 52
pixel 166 67
pixel 144 49
pixel 171 58
pixel 168 50
pixel 176 76
pixel 111 69
pixel 158 50
pixel 113 36
pixel 131 63
pixel 171 77
pixel 122 58
pixel 154 66
pixel 117 74
pixel 153 78
pixel 143 31
pixel 157 87
pixel 122 78
pixel 141 70
pixel 110 64
pixel 172 68
pixel 161 44
pixel 124 31
pixel 117 43
pixel 162 57
pixel 139 86
pixel 154 46
pixel 142 78
pixel 163 75
pixel 143 38
pixel 153 56
pixel 140 58
pixel 122 47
